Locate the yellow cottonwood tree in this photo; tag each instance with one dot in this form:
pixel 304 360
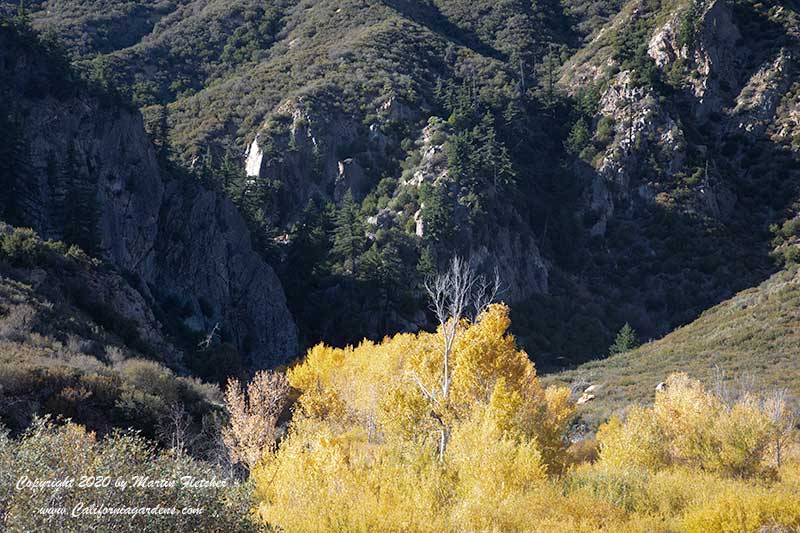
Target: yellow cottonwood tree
pixel 363 432
pixel 363 450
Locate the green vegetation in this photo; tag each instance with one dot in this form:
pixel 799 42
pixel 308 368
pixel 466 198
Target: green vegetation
pixel 626 340
pixel 349 237
pixel 52 452
pixel 65 352
pixel 395 135
pixel 752 334
pixel 785 242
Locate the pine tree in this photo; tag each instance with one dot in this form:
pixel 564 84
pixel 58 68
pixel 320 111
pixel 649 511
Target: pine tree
pixel 22 18
pixel 438 216
pixel 310 244
pixel 384 264
pixel 519 35
pixel 205 170
pixel 626 340
pixel 492 156
pixel 157 125
pixel 230 176
pixel 349 235
pixel 459 154
pixel 426 266
pixel 579 137
pixel 9 167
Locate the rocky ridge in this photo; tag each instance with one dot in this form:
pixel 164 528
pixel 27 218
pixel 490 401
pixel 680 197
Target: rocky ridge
pixel 186 250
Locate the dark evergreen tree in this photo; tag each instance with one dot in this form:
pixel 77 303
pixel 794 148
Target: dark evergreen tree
pixel 349 235
pixel 383 265
pixel 438 216
pixel 157 125
pixel 309 244
pixel 427 266
pixel 10 162
pixel 205 170
pixel 491 157
pixel 521 40
pixel 579 137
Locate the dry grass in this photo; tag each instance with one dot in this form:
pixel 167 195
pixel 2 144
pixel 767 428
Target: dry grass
pixel 755 336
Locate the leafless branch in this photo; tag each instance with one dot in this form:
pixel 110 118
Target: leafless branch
pixel 206 343
pixel 254 416
pixel 458 293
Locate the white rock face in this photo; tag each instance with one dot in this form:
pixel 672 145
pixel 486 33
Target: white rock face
pixel 175 239
pixel 254 159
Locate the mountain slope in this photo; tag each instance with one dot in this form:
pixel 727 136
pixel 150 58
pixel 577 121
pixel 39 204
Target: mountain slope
pixel 614 161
pixel 753 336
pixel 84 171
pixel 77 341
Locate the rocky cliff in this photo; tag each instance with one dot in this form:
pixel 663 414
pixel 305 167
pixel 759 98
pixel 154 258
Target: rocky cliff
pixel 682 141
pixel 616 161
pixel 186 250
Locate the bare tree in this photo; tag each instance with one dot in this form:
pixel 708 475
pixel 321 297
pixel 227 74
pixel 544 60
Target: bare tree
pixel 458 293
pixel 175 428
pixel 730 392
pixel 254 416
pixel 782 420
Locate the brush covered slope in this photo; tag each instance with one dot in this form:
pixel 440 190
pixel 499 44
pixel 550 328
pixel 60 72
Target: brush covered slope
pixel 78 342
pixel 604 157
pixel 614 161
pixel 751 337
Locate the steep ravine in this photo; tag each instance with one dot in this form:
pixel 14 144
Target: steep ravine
pixel 185 249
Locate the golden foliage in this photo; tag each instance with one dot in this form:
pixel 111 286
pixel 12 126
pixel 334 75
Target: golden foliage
pixel 690 426
pixel 362 453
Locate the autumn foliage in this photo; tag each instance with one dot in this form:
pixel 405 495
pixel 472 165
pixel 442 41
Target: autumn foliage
pixel 362 450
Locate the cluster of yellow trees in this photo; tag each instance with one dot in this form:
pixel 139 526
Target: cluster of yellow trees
pixel 414 435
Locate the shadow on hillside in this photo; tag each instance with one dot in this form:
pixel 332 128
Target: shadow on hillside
pixel 429 16
pixel 660 267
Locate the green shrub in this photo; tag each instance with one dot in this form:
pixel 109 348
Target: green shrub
pixel 47 451
pixel 21 247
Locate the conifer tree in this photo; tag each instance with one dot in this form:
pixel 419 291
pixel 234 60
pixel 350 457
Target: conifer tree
pixel 438 215
pixel 384 264
pixel 349 235
pixel 426 266
pixel 9 167
pixel 522 43
pixel 626 340
pixel 310 244
pixel 492 156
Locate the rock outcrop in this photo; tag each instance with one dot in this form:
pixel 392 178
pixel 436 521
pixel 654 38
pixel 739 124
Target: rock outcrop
pixel 648 148
pixel 300 148
pixel 514 254
pixel 702 38
pixel 179 242
pixel 313 148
